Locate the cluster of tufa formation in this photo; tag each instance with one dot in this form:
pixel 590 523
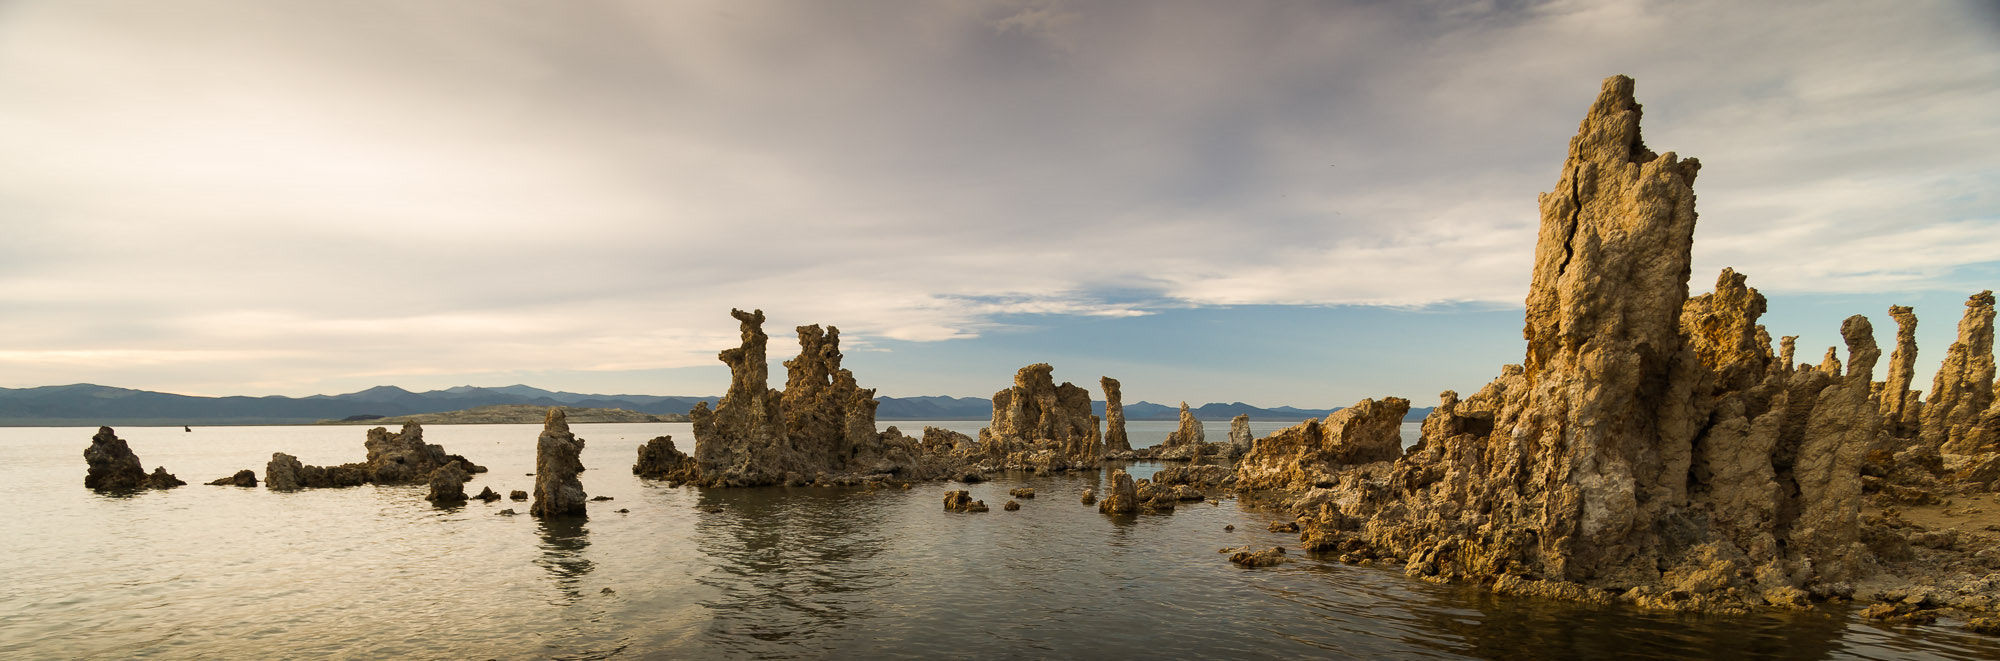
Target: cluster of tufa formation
pixel 398 458
pixel 1650 448
pixel 1040 426
pixel 114 467
pixel 819 430
pixel 558 461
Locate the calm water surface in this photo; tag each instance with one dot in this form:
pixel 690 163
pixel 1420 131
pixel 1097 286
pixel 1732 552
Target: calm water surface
pixel 374 572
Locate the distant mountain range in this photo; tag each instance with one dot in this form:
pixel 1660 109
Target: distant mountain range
pixel 86 404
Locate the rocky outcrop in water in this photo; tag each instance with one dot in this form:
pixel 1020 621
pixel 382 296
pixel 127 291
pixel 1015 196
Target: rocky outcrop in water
pixel 820 429
pixel 113 465
pixel 286 473
pixel 1963 387
pixel 1038 425
pixel 558 461
pixel 659 460
pixel 404 457
pixel 161 479
pixel 1115 440
pixel 242 478
pixel 1122 497
pixel 393 458
pixel 448 484
pixel 1309 454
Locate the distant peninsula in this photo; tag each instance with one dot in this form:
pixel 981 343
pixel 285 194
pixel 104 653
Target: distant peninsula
pixel 509 414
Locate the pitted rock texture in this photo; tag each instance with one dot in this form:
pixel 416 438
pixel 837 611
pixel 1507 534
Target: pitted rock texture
pixel 1963 387
pixel 113 466
pixel 1115 440
pixel 819 430
pixel 1037 417
pixel 558 461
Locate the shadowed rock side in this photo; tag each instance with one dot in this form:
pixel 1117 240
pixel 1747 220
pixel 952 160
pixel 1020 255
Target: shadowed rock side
pixel 399 458
pixel 1038 425
pixel 1963 387
pixel 819 430
pixel 659 460
pixel 1309 454
pixel 558 461
pixel 113 466
pixel 1115 440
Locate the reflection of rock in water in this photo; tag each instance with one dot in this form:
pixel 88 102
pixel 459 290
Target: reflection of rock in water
pixel 1505 626
pixel 790 566
pixel 564 540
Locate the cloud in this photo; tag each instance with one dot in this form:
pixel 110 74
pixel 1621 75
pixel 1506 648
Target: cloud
pixel 473 187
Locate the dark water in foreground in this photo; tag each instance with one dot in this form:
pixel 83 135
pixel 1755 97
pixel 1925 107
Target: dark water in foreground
pixel 223 572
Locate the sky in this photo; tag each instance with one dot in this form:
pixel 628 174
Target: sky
pixel 1278 203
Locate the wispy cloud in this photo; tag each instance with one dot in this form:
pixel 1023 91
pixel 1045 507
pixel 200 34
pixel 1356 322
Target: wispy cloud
pixel 466 187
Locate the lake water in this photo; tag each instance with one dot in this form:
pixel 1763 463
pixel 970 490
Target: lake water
pixel 376 572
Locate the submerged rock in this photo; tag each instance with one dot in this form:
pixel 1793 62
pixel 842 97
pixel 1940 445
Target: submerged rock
pixel 242 478
pixel 1089 497
pixel 517 495
pixel 1115 440
pixel 1022 492
pixel 113 466
pixel 487 495
pixel 1011 506
pixel 558 461
pixel 1270 557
